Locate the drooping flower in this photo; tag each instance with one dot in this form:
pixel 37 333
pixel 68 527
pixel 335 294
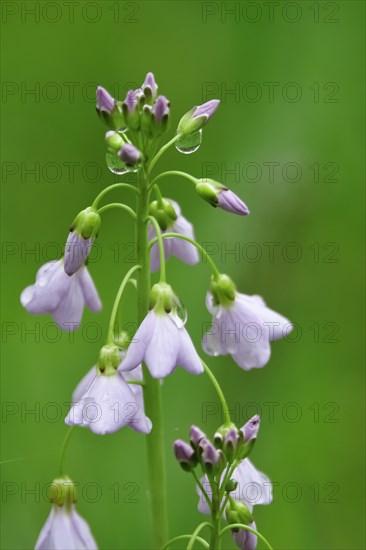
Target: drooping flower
pixel 245 540
pixel 162 341
pixel 61 296
pixel 218 195
pixel 82 234
pixel 64 529
pixel 242 326
pixel 104 401
pixel 180 248
pixel 197 117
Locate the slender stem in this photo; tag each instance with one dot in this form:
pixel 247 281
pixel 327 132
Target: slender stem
pixel 136 382
pixel 220 394
pixel 196 532
pixel 215 519
pixel 162 151
pixel 247 528
pixel 159 197
pixel 117 300
pixel 117 205
pixel 99 197
pixel 161 248
pixel 173 173
pixel 182 537
pixel 215 270
pixel 203 490
pixel 63 450
pixel 152 389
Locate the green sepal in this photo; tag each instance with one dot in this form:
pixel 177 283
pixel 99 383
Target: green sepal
pixel 108 360
pixel 114 120
pixel 132 118
pixel 237 512
pixel 223 290
pixel 62 491
pixel 209 190
pixel 87 223
pixel 231 485
pixel 189 124
pixel 163 212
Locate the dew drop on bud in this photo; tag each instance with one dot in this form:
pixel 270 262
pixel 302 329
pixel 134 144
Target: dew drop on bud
pixel 189 144
pixel 114 163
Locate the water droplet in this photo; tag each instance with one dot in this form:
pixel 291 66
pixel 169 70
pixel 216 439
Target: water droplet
pixel 179 313
pixel 115 164
pixel 189 144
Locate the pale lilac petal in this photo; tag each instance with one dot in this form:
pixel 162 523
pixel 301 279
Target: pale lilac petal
pixel 162 350
pixel 203 506
pixel 63 533
pixel 278 326
pixel 211 344
pixel 84 385
pixel 187 355
pixel 105 102
pixel 206 109
pixel 136 350
pixel 90 293
pixel 251 428
pixel 246 540
pixel 184 250
pixel 230 202
pixel 77 251
pixel 83 530
pixel 44 538
pixel 69 311
pixel 49 288
pixel 254 487
pixel 149 82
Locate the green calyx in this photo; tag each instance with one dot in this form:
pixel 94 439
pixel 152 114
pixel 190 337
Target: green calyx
pixel 237 512
pixel 114 120
pixel 122 340
pixel 114 141
pixel 162 299
pixel 62 491
pixel 163 212
pixel 189 124
pixel 108 360
pixel 209 190
pixel 221 433
pixel 223 290
pixel 87 223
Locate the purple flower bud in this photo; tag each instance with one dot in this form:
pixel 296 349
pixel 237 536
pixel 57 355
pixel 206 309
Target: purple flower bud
pixel 149 86
pixel 209 455
pixel 206 109
pixel 105 102
pixel 183 452
pixel 231 437
pixel 195 435
pixel 231 202
pixel 129 154
pixel 131 99
pixel 160 108
pixel 250 429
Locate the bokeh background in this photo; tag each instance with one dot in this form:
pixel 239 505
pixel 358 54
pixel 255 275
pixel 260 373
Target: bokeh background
pixel 289 139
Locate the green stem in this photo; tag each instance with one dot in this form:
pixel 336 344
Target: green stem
pixel 196 532
pixel 220 394
pixel 99 197
pixel 182 537
pixel 136 382
pixel 215 270
pixel 173 173
pixel 63 450
pixel 161 248
pixel 247 528
pixel 215 518
pixel 117 300
pixel 117 205
pixel 152 389
pixel 162 151
pixel 203 490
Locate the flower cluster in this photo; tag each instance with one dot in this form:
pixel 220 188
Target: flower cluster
pixel 112 394
pixel 230 483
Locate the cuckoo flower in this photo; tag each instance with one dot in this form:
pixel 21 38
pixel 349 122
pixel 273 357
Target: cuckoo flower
pixel 149 86
pixel 171 220
pixel 105 102
pixel 162 340
pixel 197 117
pixel 64 529
pixel 80 240
pixel 61 296
pixel 218 195
pixel 242 326
pixel 104 401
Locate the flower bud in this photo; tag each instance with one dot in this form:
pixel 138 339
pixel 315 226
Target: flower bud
pixel 223 289
pixel 108 109
pixel 237 512
pixel 197 117
pixel 62 491
pixel 129 154
pixel 109 359
pixel 218 195
pixel 113 140
pixel 149 87
pixel 87 223
pixel 185 455
pixel 230 444
pixel 83 231
pixel 195 436
pixel 163 212
pixel 248 435
pixel 130 108
pixel 231 485
pixel 211 459
pixel 160 115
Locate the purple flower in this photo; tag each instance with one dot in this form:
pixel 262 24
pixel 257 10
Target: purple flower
pixel 105 102
pixel 61 296
pixel 206 109
pixel 129 154
pixel 183 452
pixel 149 86
pixel 160 108
pixel 231 203
pixel 183 250
pixel 106 403
pixel 244 329
pixel 253 487
pixel 77 250
pixel 245 540
pixel 65 529
pixel 250 429
pixel 163 343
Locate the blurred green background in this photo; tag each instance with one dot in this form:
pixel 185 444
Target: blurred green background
pixel 289 139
